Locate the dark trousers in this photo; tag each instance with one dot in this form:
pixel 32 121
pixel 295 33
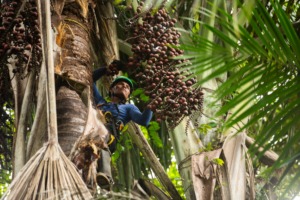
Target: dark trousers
pixel 113 145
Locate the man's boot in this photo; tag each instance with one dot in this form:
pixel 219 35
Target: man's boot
pixel 104 178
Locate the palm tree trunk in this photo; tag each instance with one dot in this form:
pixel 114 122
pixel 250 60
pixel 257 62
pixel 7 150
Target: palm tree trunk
pixel 77 33
pixel 76 52
pixel 76 70
pixel 71 118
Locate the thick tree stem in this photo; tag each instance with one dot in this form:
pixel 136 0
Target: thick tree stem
pixel 39 138
pixel 140 140
pixel 185 145
pixel 22 126
pixel 35 131
pixel 19 87
pixel 268 158
pixel 48 57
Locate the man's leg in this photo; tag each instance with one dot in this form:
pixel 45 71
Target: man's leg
pixel 104 177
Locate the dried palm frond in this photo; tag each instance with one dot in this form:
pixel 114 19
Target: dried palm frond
pixel 48 174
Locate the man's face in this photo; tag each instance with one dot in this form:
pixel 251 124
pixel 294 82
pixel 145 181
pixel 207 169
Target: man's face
pixel 121 90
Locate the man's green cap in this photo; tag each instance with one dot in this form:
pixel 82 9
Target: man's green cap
pixel 119 79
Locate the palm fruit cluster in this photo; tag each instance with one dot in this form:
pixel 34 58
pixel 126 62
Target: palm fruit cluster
pixel 20 43
pixel 170 88
pixel 112 70
pixel 115 67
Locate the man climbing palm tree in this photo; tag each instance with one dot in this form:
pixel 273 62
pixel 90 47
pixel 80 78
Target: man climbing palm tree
pixel 117 114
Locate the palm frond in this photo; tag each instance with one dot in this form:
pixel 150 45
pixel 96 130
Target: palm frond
pixel 269 60
pixel 48 174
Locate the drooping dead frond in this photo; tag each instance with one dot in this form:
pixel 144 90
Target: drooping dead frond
pixel 48 174
pixel 211 180
pixel 86 158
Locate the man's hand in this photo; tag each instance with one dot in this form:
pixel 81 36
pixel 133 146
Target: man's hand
pixel 119 63
pixel 114 67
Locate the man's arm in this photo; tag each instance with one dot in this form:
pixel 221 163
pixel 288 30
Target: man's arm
pixel 97 74
pixel 140 118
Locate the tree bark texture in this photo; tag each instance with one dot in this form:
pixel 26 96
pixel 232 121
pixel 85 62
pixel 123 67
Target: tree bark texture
pixel 76 53
pixel 71 118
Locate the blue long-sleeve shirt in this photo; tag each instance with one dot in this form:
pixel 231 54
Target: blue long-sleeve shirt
pixel 127 112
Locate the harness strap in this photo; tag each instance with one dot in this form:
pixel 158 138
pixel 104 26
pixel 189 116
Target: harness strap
pixel 116 125
pixel 116 105
pixel 111 139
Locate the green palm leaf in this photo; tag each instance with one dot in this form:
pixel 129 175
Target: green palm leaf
pixel 270 61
